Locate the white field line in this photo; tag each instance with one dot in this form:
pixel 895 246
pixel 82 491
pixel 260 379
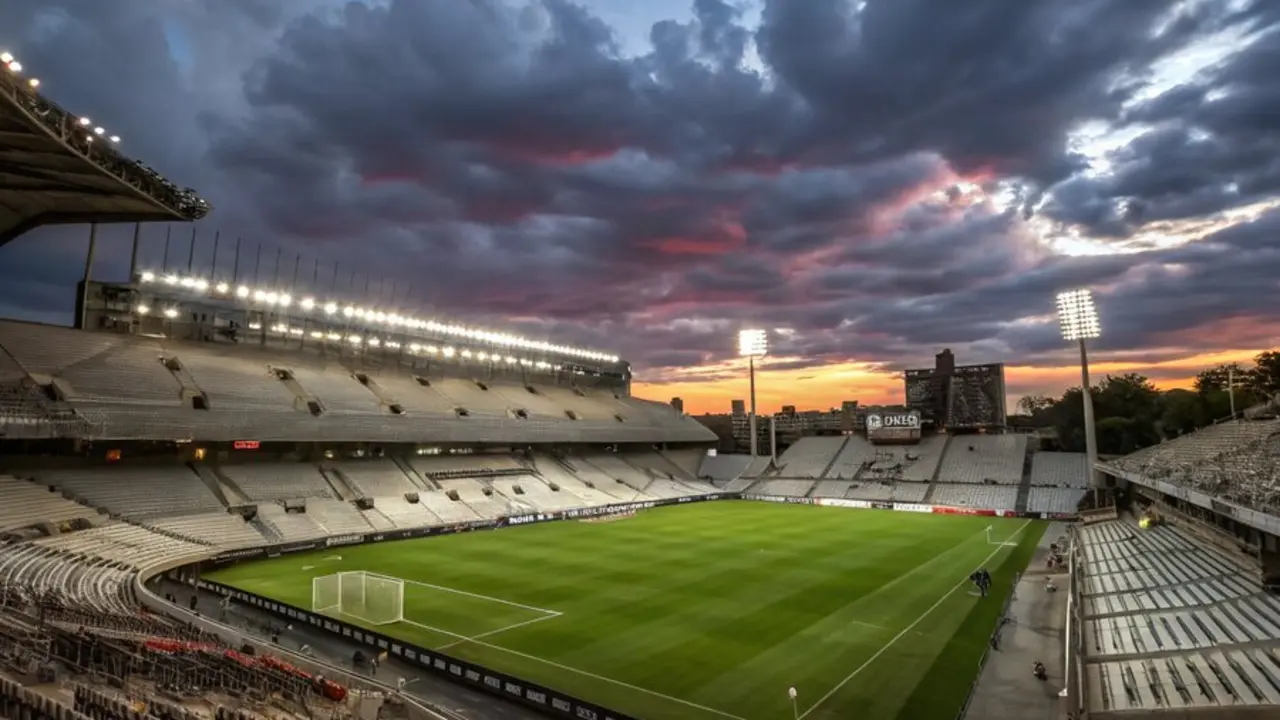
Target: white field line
pixel 904 631
pixel 455 591
pixel 592 675
pixel 499 630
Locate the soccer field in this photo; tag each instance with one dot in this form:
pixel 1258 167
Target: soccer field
pixel 706 610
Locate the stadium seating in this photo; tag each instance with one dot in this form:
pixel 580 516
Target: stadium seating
pixel 25 503
pixel 449 511
pixel 809 457
pixel 135 491
pixel 287 527
pixel 615 469
pixel 338 517
pixel 1060 469
pixel 472 492
pixel 983 458
pixel 1234 461
pixel 535 493
pixel 987 497
pixel 554 472
pixel 1172 624
pixel 793 488
pixel 223 530
pixel 854 453
pixel 1054 499
pixel 376 477
pixel 124 391
pixel 277 481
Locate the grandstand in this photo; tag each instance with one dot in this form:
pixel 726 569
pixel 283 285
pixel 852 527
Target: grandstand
pixel 1172 625
pixel 1235 461
pixel 59 168
pixel 131 387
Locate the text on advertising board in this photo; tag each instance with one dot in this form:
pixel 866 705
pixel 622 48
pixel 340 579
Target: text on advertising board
pixel 893 420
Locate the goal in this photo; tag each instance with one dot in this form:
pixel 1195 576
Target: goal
pixel 364 596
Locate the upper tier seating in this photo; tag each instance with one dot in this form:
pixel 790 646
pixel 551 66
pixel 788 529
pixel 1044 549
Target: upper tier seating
pixel 135 491
pixel 338 517
pixel 290 526
pixel 1237 462
pixel 1060 469
pixel 26 503
pixel 979 458
pixel 606 469
pixel 124 391
pixel 278 481
pixel 478 464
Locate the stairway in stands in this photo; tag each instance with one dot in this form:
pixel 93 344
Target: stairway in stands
pixel 835 456
pixel 1024 487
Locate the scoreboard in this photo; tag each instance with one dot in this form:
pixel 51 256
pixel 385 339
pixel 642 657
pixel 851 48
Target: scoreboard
pixel 893 427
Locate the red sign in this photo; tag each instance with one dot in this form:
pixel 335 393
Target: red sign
pixel 246 445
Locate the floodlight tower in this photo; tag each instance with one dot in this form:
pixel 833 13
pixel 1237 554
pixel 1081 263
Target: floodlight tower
pixel 1079 320
pixel 751 345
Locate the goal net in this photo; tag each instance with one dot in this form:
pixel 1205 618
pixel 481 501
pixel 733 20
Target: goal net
pixel 367 597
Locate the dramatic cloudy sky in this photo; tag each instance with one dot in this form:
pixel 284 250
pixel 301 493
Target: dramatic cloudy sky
pixel 871 180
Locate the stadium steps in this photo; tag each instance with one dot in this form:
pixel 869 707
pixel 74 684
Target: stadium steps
pixel 928 495
pixel 835 456
pixel 268 530
pixel 942 453
pixel 220 485
pixel 424 484
pixel 337 482
pixel 377 520
pixel 1024 487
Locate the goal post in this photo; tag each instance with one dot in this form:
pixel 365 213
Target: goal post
pixel 360 595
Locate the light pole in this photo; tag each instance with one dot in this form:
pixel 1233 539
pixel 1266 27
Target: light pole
pixel 1079 320
pixel 795 705
pixel 751 345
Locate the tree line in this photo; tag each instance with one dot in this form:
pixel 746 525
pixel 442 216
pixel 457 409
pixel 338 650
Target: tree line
pixel 1131 413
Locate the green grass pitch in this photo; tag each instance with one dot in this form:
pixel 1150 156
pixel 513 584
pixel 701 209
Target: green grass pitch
pixel 704 611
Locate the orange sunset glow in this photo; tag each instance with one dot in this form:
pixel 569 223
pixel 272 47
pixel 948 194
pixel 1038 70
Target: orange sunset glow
pixel 825 388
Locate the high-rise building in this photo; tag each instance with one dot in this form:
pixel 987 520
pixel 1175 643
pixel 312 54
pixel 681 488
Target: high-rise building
pixel 739 407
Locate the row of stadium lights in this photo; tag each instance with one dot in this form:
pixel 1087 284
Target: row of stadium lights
pixel 331 309
pixel 15 67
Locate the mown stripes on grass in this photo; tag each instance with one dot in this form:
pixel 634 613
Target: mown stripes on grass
pixel 722 605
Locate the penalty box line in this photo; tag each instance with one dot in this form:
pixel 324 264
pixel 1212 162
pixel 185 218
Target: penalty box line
pixel 455 591
pixel 567 668
pixel 907 629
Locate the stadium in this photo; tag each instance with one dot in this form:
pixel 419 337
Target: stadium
pixel 229 498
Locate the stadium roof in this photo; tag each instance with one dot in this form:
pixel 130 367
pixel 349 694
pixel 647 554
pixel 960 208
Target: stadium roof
pixel 57 168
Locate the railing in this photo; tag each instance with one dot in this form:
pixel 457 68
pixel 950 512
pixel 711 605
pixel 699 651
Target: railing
pixel 69 130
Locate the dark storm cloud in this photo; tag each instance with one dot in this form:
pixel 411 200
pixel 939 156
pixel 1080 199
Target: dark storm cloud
pixel 815 173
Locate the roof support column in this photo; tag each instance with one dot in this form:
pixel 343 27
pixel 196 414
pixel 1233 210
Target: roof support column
pixel 88 273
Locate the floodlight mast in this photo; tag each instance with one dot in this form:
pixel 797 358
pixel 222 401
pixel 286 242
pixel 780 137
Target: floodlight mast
pixel 753 344
pixel 1078 317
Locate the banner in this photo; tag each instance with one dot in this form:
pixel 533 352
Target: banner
pixel 842 502
pixel 963 511
pixel 912 507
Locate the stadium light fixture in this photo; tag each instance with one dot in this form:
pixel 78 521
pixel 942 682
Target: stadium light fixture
pixel 1078 318
pixel 171 313
pixel 374 316
pixel 143 309
pixel 753 343
pixel 86 122
pixel 99 130
pixel 115 139
pixel 15 66
pixel 6 57
pixel 221 288
pixel 34 83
